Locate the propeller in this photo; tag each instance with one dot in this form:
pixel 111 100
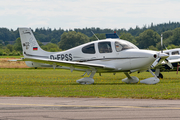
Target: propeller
pixel 161 57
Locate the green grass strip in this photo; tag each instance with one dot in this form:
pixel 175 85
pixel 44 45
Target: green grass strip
pixel 11 56
pixel 62 83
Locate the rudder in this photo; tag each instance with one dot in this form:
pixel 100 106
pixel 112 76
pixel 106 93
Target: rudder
pixel 29 43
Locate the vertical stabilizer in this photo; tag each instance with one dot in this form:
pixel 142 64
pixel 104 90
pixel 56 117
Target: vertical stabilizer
pixel 30 45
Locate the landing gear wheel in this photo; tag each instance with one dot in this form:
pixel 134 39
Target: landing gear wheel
pixel 160 76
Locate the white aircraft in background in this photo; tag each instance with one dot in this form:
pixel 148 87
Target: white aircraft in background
pixel 172 61
pixel 102 56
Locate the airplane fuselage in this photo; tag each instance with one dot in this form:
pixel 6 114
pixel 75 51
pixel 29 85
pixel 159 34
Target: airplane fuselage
pixel 130 59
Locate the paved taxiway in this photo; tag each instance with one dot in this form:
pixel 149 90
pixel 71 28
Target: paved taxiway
pixel 37 108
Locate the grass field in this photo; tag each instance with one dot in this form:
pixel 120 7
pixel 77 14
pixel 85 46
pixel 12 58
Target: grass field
pixel 11 56
pixel 62 83
pixel 5 63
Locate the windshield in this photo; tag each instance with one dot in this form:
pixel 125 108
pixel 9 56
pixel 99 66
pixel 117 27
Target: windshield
pixel 124 45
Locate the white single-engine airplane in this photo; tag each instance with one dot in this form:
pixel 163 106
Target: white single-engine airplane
pixel 102 56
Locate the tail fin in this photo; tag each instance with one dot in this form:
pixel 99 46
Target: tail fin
pixel 30 45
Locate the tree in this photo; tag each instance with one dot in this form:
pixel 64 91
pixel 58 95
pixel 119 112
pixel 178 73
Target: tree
pixel 99 36
pixel 152 48
pixel 6 35
pixel 167 34
pixel 54 41
pixel 17 45
pixel 7 51
pixel 51 47
pixel 176 36
pixel 40 43
pixel 1 43
pixel 167 38
pixel 10 47
pixel 128 37
pixel 171 46
pixel 147 38
pixel 6 42
pixel 72 39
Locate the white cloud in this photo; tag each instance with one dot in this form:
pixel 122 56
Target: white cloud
pixel 87 13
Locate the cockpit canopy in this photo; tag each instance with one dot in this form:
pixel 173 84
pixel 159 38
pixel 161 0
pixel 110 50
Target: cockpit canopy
pixel 106 46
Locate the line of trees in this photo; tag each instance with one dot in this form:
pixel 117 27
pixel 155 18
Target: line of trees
pixel 144 38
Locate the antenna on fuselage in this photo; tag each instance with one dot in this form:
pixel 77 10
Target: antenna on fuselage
pixel 94 35
pixel 166 47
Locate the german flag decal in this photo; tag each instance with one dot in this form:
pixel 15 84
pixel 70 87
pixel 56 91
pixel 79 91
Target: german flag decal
pixel 35 48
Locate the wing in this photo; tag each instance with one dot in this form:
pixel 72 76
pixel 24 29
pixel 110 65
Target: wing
pixel 73 65
pixel 174 61
pixel 169 62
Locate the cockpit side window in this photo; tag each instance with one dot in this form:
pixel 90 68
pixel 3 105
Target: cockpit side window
pixel 104 47
pixel 175 53
pixel 89 49
pixel 167 53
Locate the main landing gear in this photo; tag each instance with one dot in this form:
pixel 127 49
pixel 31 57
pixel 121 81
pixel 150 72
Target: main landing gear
pixel 129 79
pixel 87 80
pixel 152 80
pixel 133 79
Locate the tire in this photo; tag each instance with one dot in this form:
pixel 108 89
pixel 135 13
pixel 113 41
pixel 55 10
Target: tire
pixel 160 76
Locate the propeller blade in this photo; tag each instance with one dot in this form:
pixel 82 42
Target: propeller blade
pixel 168 63
pixel 155 62
pixel 159 60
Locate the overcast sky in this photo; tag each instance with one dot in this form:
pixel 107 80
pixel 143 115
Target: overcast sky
pixel 70 14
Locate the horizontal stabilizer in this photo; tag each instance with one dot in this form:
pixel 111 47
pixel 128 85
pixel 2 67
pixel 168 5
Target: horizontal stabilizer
pixel 15 60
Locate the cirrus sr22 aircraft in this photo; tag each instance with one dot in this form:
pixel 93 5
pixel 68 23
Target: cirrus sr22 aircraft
pixel 102 56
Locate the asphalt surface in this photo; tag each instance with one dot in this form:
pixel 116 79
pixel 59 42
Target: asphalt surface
pixel 45 108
